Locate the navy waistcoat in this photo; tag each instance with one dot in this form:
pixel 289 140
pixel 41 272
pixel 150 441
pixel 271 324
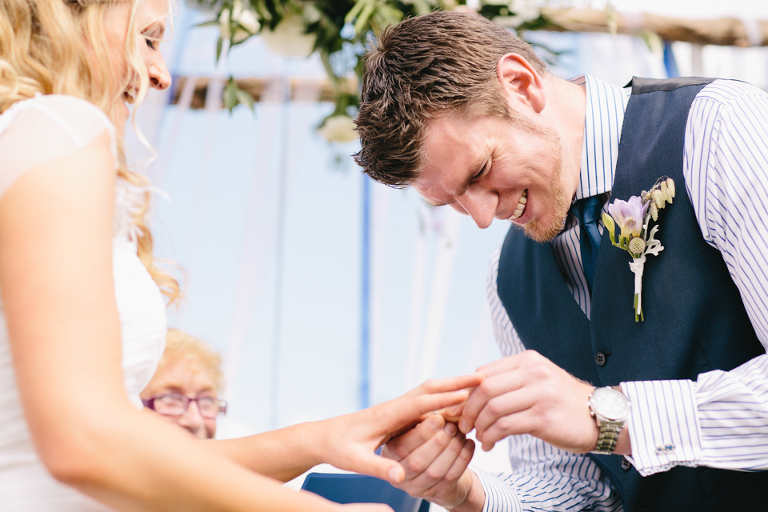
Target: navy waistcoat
pixel 694 318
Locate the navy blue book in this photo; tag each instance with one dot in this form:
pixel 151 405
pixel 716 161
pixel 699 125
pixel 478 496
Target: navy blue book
pixel 351 488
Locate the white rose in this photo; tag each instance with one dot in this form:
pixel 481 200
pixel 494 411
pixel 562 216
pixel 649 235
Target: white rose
pixel 245 17
pixel 289 37
pixel 528 10
pixel 242 19
pixel 339 128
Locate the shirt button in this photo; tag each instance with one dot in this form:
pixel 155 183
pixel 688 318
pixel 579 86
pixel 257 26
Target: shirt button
pixel 600 358
pixel 625 464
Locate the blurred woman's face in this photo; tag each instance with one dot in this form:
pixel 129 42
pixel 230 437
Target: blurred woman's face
pixel 188 377
pixel 150 29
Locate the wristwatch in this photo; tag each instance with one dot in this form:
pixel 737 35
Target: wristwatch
pixel 610 408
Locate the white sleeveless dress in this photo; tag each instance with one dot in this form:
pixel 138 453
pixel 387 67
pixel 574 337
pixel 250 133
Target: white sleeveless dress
pixel 50 127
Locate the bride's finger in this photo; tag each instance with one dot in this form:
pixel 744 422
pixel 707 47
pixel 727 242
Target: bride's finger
pixel 433 386
pixel 452 413
pixel 400 414
pixel 431 396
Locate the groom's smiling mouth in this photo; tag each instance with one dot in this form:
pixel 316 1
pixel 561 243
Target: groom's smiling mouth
pixel 520 208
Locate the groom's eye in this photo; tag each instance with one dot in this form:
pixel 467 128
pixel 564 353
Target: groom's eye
pixel 481 173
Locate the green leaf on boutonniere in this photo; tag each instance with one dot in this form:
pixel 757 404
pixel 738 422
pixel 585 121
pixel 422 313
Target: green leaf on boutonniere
pixel 610 226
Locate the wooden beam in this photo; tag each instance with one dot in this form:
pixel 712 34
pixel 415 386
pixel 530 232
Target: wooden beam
pixel 722 31
pixel 269 89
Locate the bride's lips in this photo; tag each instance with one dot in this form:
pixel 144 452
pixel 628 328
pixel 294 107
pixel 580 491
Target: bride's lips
pixel 520 208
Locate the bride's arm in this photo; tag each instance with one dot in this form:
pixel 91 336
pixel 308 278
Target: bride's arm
pixel 348 441
pixel 58 297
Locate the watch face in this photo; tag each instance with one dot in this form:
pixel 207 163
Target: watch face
pixel 610 404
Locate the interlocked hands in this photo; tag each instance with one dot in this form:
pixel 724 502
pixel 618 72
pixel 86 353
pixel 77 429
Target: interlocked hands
pixel 348 442
pixel 521 394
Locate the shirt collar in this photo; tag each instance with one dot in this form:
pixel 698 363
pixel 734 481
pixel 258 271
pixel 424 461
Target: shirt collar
pixel 602 131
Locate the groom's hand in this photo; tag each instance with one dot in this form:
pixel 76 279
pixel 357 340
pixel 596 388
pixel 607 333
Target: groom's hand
pixel 528 394
pixel 434 455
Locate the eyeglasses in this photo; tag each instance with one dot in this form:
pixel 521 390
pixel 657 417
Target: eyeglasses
pixel 175 404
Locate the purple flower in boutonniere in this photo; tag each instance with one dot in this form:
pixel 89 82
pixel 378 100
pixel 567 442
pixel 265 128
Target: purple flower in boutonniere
pixel 629 215
pixel 633 217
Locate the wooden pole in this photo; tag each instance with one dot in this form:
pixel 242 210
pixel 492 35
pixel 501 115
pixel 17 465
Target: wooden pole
pixel 722 31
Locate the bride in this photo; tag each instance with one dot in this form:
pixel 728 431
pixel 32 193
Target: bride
pixel 82 318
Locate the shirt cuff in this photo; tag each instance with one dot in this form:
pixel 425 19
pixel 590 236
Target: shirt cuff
pixel 663 425
pixel 499 496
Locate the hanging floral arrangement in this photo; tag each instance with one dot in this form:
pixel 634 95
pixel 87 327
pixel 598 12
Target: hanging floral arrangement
pixel 338 31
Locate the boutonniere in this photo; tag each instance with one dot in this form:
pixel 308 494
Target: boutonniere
pixel 633 217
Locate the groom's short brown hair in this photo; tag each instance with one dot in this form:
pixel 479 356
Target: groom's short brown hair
pixel 442 62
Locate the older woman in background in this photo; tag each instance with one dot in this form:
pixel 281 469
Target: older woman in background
pixel 186 386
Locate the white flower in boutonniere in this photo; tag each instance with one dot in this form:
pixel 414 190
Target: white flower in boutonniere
pixel 633 217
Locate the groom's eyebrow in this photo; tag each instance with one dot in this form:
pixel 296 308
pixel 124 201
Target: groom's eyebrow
pixel 437 205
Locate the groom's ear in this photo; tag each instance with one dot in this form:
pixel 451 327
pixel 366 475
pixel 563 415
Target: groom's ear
pixel 521 85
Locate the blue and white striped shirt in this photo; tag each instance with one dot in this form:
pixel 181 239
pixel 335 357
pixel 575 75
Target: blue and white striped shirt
pixel 721 420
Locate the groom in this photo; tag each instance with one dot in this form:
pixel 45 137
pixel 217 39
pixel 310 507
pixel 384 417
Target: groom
pixel 603 411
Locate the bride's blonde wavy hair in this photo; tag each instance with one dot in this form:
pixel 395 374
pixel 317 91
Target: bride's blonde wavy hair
pixel 60 47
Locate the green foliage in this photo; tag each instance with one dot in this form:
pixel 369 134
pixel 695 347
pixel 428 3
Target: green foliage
pixel 341 29
pixel 234 96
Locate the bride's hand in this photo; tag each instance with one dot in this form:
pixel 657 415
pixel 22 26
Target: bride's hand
pixel 348 442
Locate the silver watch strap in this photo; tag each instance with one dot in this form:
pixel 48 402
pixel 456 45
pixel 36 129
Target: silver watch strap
pixel 606 441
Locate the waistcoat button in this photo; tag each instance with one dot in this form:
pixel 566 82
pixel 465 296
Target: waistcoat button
pixel 600 358
pixel 625 464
